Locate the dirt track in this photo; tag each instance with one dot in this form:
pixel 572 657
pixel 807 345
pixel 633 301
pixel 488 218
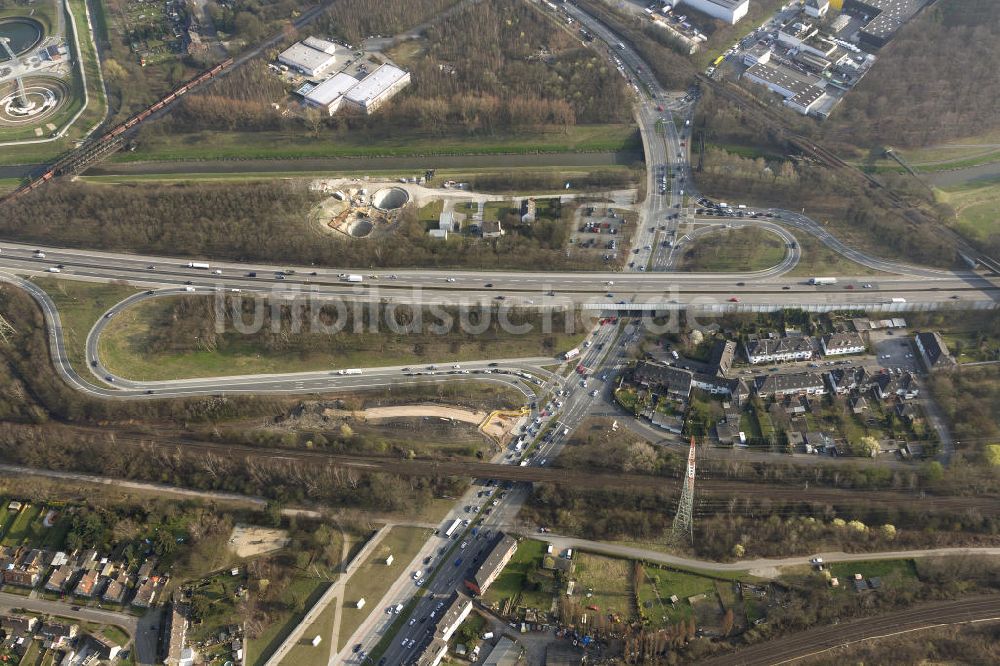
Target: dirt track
pixel 439 411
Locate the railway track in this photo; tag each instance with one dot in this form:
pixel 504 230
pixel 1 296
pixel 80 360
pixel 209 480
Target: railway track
pixel 709 490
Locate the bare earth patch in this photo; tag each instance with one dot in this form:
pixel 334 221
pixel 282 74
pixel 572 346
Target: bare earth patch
pixel 248 541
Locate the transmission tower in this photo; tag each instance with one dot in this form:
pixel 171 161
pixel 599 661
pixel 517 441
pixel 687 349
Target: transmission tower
pixel 683 530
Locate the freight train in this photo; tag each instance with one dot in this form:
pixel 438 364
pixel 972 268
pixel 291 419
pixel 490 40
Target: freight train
pixel 101 143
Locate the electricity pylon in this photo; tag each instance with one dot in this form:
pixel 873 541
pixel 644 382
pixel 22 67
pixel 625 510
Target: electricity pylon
pixel 684 520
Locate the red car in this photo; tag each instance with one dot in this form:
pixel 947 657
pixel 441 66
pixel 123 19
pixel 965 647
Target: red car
pixel 850 286
pixel 734 300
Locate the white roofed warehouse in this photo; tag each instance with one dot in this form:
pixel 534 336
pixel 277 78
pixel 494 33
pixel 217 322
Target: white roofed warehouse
pixel 329 95
pixel 308 60
pixel 377 88
pixel 729 11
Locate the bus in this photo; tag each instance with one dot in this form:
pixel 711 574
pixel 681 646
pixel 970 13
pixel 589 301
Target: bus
pixel 715 63
pixel 450 531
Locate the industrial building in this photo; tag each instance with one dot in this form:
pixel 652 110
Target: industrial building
pixel 800 92
pixel 329 95
pixel 816 8
pixel 885 17
pixel 306 59
pixel 377 88
pixel 729 11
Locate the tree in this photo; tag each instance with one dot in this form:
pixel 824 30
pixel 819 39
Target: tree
pixel 993 455
pixel 866 447
pixel 888 531
pixel 739 550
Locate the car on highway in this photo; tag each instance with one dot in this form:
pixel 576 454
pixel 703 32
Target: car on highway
pixel 450 280
pixel 488 285
pixel 733 299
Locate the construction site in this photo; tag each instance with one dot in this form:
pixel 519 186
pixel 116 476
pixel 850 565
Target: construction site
pixel 359 212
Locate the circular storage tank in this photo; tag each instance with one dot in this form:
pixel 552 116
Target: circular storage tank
pixel 360 227
pixel 24 34
pixel 390 198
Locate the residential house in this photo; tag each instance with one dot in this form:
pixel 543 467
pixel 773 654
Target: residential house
pixel 739 391
pixel 492 229
pixel 909 414
pixel 105 648
pixel 796 383
pixel 85 586
pixel 115 591
pixel 146 593
pixel 58 632
pixel 776 350
pixel 59 579
pixel 146 569
pixel 176 634
pixel 720 359
pixel 933 351
pixel 858 404
pixel 453 615
pixel 817 441
pixel 714 384
pixel 22 577
pixel 727 433
pixel 663 378
pixel 528 210
pixel 838 344
pixel 844 380
pixel 492 565
pixel 18 625
pixel 887 385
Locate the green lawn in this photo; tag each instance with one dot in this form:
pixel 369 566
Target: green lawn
pixel 217 595
pixel 80 305
pixel 300 596
pixel 210 145
pixel 881 568
pixel 668 582
pixel 604 582
pixel 23 527
pixel 818 259
pixel 736 250
pixel 124 348
pixel 976 206
pixel 117 634
pixel 512 581
pixel 303 653
pixel 371 581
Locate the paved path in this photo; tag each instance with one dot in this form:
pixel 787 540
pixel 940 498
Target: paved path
pixel 820 640
pixel 331 595
pixel 765 567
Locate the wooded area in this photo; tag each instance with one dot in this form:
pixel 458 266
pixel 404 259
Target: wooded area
pixel 936 80
pixel 515 71
pixel 263 221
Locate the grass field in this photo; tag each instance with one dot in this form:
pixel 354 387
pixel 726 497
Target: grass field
pixel 604 582
pixel 818 259
pixel 511 582
pixel 21 530
pixel 975 206
pixel 880 568
pixel 294 145
pixel 666 583
pixel 303 653
pixel 124 349
pixel 300 595
pixel 80 305
pixel 741 250
pixel 373 579
pixel 957 154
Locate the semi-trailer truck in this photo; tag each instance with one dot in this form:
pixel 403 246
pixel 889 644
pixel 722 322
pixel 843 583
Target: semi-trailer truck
pixel 572 353
pixel 823 280
pixel 198 264
pixel 352 371
pixel 451 529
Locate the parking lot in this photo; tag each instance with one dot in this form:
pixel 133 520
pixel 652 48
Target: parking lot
pixel 894 349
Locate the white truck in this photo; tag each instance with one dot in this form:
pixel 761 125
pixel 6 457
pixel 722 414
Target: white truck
pixel 572 353
pixel 351 371
pixel 451 529
pixel 198 264
pixel 353 278
pixel 898 300
pixel 822 280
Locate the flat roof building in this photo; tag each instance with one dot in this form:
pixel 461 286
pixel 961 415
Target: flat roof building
pixel 800 93
pixel 329 95
pixel 729 11
pixel 886 17
pixel 309 61
pixel 494 563
pixel 377 88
